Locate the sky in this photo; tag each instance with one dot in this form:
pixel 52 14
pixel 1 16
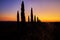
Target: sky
pixel 45 10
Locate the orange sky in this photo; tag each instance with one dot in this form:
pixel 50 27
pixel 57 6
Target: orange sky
pixel 47 11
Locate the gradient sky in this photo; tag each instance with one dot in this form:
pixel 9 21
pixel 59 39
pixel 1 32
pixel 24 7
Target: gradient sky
pixel 46 10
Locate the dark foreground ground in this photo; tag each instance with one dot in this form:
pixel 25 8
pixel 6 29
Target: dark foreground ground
pixel 30 31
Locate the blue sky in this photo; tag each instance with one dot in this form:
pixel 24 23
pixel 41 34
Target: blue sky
pixel 47 10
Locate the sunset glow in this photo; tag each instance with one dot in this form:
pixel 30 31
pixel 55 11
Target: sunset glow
pixel 46 10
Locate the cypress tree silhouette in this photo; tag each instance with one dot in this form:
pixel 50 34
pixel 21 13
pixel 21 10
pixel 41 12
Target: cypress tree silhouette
pixel 22 12
pixel 31 15
pixel 28 19
pixel 17 16
pixel 38 20
pixel 34 18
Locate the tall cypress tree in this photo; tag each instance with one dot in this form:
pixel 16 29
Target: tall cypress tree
pixel 22 12
pixel 17 16
pixel 31 15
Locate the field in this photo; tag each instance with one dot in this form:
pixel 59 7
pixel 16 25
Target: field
pixel 30 31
